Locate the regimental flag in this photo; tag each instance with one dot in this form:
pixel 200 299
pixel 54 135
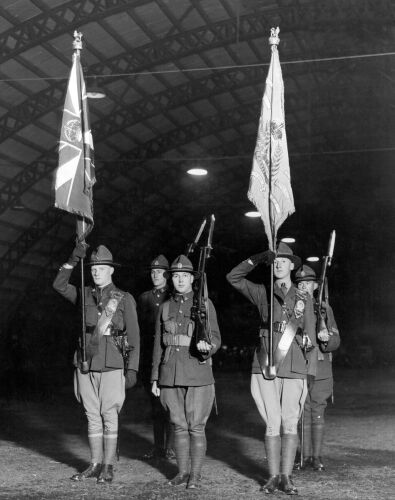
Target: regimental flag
pixel 75 175
pixel 270 183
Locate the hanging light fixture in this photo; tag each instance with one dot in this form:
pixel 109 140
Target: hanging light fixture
pixel 197 171
pixel 94 91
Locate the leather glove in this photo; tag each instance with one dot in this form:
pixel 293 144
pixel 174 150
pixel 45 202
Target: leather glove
pixel 263 258
pixel 79 253
pixel 130 379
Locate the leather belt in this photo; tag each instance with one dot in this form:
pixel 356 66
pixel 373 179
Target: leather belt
pixel 176 340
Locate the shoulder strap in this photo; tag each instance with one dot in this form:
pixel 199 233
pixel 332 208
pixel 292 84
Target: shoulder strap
pixel 165 310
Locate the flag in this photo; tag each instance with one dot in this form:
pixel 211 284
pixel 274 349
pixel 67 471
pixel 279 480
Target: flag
pixel 270 182
pixel 75 175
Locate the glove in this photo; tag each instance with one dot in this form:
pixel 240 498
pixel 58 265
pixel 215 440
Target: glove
pixel 263 258
pixel 130 379
pixel 79 252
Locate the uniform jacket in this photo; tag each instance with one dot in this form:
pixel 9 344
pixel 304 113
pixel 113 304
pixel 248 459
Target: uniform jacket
pixel 147 310
pixel 324 363
pixel 294 364
pixel 179 366
pixel 105 356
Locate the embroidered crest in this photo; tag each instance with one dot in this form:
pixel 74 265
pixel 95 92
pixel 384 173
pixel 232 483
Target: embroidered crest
pixel 179 265
pixel 72 131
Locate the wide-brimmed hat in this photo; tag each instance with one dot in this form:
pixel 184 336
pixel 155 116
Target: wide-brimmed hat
pixel 283 251
pixel 305 273
pixel 102 257
pixel 182 264
pixel 160 262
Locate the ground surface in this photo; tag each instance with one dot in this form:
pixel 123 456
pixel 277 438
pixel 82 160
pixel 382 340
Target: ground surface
pixel 43 443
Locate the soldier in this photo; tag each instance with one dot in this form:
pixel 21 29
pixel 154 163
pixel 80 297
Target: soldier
pixel 111 318
pixel 280 400
pixel 148 306
pixel 320 387
pixel 182 374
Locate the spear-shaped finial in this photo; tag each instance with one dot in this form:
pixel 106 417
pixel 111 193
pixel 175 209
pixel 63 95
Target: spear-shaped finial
pixel 77 44
pixel 274 38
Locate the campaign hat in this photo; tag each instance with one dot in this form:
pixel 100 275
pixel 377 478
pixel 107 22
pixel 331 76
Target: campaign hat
pixel 305 273
pixel 284 251
pixel 160 262
pixel 102 257
pixel 182 264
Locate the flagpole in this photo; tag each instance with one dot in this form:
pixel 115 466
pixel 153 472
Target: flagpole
pixel 77 46
pixel 271 372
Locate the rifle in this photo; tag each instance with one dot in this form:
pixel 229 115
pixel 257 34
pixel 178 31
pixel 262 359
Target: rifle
pixel 321 313
pixel 199 310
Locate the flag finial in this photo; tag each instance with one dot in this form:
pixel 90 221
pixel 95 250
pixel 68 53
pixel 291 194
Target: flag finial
pixel 77 44
pixel 274 38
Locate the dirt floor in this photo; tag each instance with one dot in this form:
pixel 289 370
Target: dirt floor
pixel 44 443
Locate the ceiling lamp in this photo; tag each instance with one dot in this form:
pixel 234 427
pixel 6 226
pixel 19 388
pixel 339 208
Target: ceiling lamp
pixel 197 171
pixel 313 259
pixel 253 214
pixel 94 91
pixel 288 240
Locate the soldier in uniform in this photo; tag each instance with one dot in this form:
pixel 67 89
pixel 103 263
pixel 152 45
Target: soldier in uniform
pixel 320 387
pixel 280 400
pixel 111 320
pixel 182 374
pixel 147 307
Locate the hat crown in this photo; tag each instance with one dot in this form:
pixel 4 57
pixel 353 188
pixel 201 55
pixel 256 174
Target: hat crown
pixel 160 262
pixel 101 255
pixel 305 273
pixel 182 263
pixel 284 249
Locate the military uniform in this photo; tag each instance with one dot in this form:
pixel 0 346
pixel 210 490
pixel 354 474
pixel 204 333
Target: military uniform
pixel 110 314
pixel 148 307
pixel 185 377
pixel 280 401
pixel 320 387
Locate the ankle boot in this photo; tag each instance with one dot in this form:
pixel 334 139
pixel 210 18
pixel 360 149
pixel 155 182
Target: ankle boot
pixel 181 448
pixel 106 474
pixel 92 471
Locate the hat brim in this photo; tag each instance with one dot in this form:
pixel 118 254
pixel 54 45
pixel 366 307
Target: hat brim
pixel 157 267
pixel 306 278
pixel 172 271
pixel 103 263
pixel 297 261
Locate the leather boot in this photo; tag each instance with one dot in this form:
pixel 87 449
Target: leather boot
pixel 198 452
pixel 318 436
pixel 273 449
pixel 287 486
pixel 181 447
pixel 106 474
pixel 289 444
pixel 92 471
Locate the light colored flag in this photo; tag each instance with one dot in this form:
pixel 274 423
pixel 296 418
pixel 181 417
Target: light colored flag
pixel 75 175
pixel 270 182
